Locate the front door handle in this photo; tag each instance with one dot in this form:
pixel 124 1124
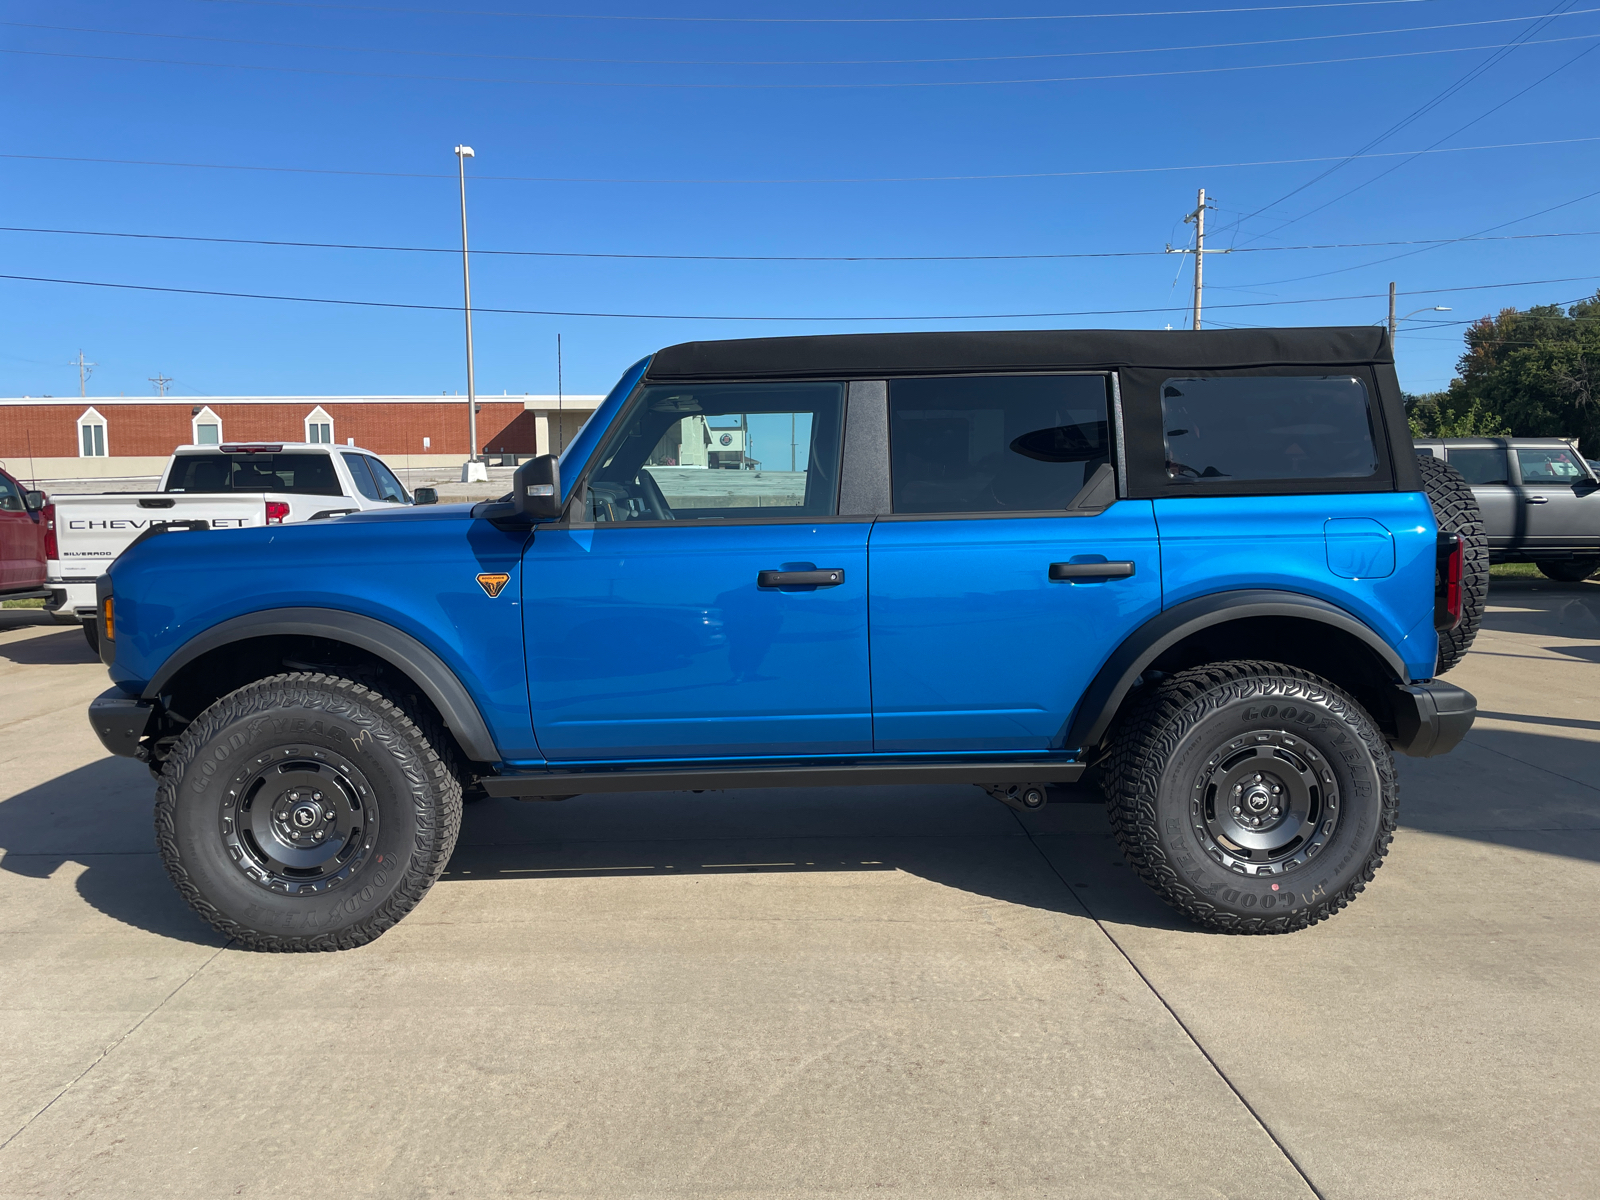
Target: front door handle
pixel 1538 499
pixel 1091 570
pixel 826 577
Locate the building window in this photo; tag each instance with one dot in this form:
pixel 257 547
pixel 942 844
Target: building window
pixel 91 435
pixel 319 427
pixel 207 428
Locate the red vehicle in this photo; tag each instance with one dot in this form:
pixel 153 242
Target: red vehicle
pixel 26 531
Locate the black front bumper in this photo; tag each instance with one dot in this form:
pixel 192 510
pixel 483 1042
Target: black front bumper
pixel 1431 718
pixel 119 720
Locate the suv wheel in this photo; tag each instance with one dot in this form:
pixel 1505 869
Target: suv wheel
pixel 1253 797
pixel 1571 570
pixel 1455 510
pixel 305 812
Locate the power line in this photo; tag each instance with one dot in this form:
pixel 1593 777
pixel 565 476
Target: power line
pixel 877 85
pixel 1015 316
pixel 452 12
pixel 803 258
pixel 1393 257
pixel 818 62
pixel 1273 162
pixel 1501 52
pixel 1433 147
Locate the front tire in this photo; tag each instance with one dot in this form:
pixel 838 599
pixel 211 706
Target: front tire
pixel 305 812
pixel 1571 570
pixel 91 634
pixel 1253 797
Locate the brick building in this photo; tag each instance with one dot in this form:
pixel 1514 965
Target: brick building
pixel 52 437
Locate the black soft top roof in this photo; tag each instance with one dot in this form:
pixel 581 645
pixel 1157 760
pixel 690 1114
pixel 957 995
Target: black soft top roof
pixel 875 355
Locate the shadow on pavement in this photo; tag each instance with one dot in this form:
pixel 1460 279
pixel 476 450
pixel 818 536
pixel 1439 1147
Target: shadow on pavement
pixel 66 645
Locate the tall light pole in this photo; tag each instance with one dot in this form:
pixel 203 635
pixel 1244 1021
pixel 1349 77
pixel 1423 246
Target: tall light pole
pixel 1394 321
pixel 462 154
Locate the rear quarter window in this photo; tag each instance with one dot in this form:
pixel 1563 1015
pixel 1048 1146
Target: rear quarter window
pixel 1229 429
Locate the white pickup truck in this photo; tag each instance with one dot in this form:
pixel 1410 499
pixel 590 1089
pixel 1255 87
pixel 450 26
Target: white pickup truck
pixel 232 486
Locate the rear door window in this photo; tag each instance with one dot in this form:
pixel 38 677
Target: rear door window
pixel 1481 465
pixel 302 473
pixel 1223 429
pixel 361 476
pixel 1007 443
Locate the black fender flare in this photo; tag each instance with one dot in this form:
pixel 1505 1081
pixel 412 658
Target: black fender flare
pixel 1144 645
pixel 400 650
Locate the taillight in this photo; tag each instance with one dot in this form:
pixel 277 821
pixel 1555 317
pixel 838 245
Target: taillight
pixel 51 549
pixel 277 510
pixel 1447 582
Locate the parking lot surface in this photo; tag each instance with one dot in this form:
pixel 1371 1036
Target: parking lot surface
pixel 799 993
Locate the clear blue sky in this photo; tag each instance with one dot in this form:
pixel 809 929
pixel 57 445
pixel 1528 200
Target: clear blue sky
pixel 369 87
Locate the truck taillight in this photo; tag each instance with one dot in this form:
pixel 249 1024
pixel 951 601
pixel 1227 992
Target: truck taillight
pixel 277 510
pixel 1447 582
pixel 48 514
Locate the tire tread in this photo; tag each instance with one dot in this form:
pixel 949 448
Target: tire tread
pixel 438 824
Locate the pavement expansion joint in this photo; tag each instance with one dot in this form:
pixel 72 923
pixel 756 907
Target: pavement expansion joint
pixel 1187 1032
pixel 106 1053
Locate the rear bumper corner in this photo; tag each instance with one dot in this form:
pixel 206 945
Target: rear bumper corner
pixel 1431 717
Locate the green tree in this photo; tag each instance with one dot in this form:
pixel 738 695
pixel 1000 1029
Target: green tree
pixel 1434 415
pixel 1533 373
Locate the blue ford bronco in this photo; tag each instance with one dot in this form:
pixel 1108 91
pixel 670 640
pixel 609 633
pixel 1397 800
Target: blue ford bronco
pixel 1205 572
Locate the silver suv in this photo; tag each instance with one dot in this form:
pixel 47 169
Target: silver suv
pixel 1540 500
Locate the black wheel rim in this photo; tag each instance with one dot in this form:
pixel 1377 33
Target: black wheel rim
pixel 299 821
pixel 1265 803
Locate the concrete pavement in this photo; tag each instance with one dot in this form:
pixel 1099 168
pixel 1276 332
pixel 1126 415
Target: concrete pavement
pixel 808 993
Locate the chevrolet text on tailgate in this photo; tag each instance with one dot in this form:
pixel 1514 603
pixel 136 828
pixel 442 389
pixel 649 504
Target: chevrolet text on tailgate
pixel 1204 572
pixel 232 486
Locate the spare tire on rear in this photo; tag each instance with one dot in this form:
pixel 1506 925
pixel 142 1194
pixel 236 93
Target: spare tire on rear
pixel 1455 509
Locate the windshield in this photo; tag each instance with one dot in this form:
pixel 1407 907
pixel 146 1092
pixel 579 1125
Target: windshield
pixel 307 473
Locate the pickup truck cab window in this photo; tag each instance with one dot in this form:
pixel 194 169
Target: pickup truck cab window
pixel 721 451
pixel 307 473
pixel 1010 443
pixel 1258 427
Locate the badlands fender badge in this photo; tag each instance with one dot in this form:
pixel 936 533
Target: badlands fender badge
pixel 493 584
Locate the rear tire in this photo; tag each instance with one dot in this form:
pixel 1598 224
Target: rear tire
pixel 305 812
pixel 1252 797
pixel 1571 570
pixel 1455 510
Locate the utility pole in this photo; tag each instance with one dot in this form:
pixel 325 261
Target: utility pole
pixel 85 369
pixel 161 382
pixel 1198 216
pixel 1393 328
pixel 462 154
pixel 561 408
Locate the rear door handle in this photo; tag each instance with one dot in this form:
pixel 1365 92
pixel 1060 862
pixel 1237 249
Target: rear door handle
pixel 1538 499
pixel 826 577
pixel 1091 570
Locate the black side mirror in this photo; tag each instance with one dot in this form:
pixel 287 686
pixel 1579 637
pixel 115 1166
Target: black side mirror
pixel 536 490
pixel 424 495
pixel 34 501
